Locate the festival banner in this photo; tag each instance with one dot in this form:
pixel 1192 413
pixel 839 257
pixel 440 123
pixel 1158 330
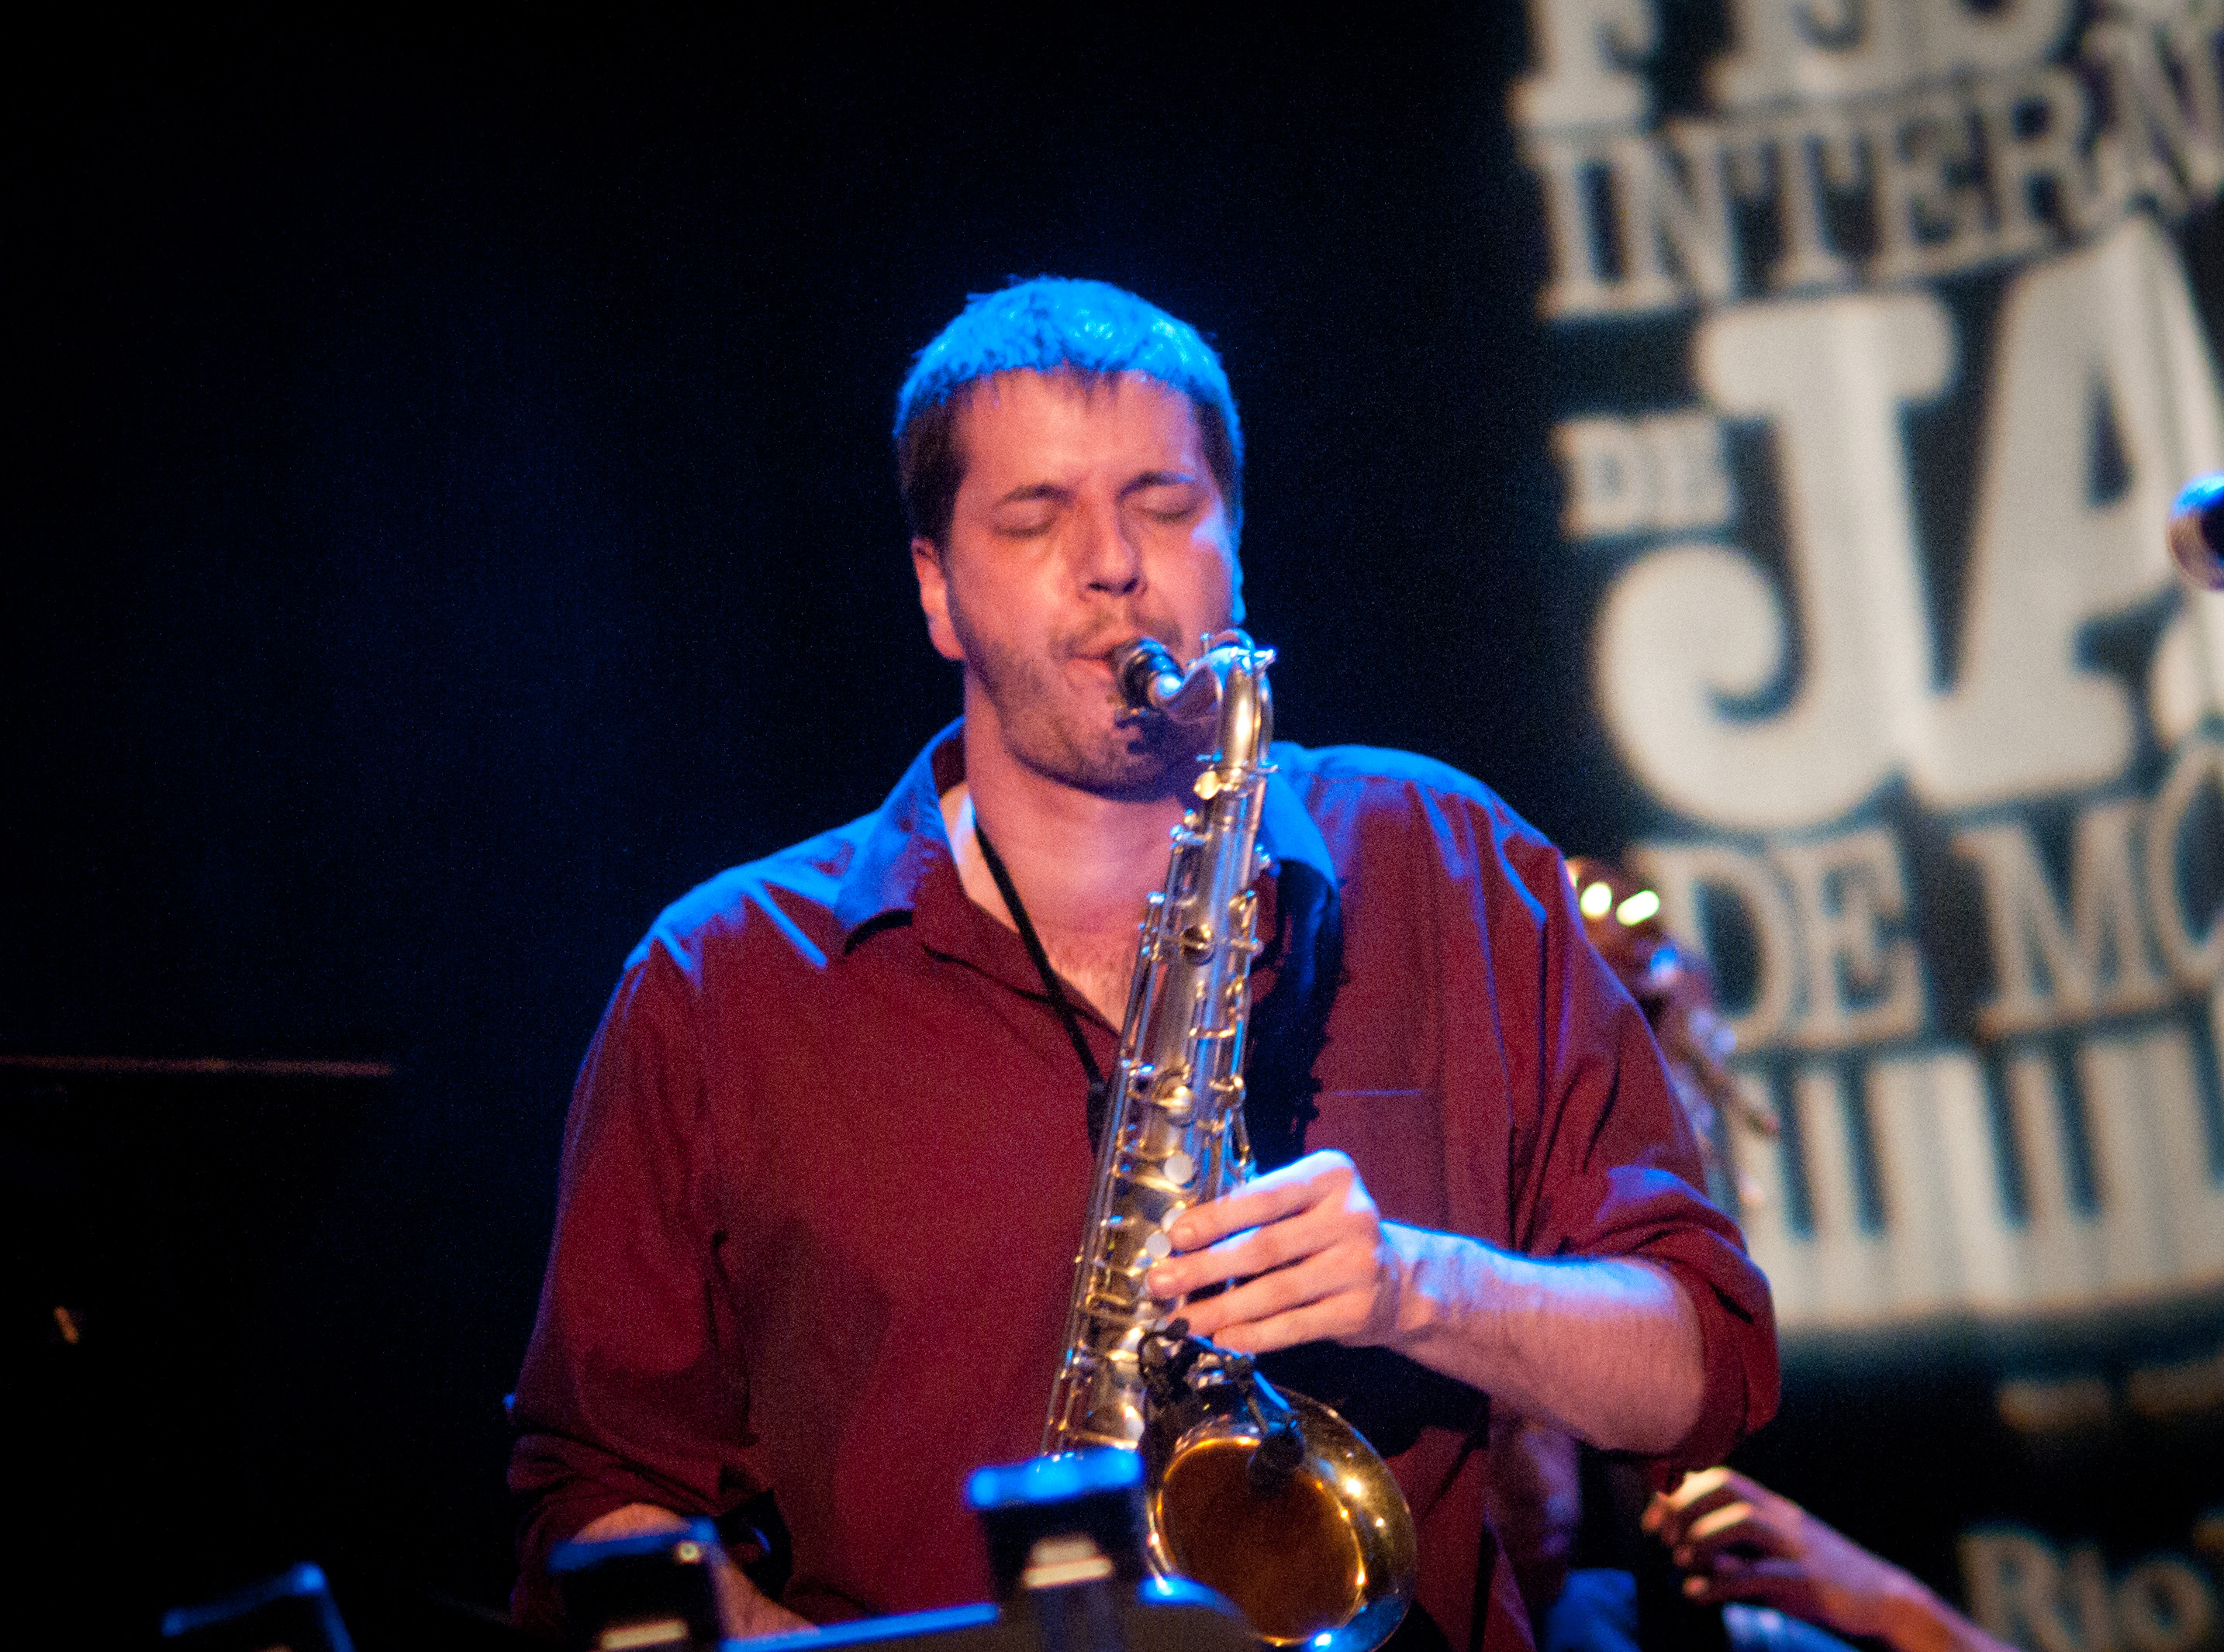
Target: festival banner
pixel 1888 329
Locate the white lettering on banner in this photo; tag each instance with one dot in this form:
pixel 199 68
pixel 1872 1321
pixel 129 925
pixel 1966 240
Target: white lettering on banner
pixel 1834 966
pixel 1861 988
pixel 2031 124
pixel 1661 472
pixel 1583 49
pixel 1932 134
pixel 1687 629
pixel 2186 682
pixel 2110 332
pixel 2176 1389
pixel 1835 971
pixel 1687 876
pixel 2163 1605
pixel 1817 50
pixel 2047 971
pixel 2172 1389
pixel 2194 945
pixel 1944 1240
pixel 2014 1584
pixel 2046 1133
pixel 2027 1593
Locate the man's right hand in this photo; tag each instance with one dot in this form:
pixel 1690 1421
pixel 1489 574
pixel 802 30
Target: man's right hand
pixel 744 1611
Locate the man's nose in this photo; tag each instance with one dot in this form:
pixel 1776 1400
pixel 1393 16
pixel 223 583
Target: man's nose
pixel 1106 559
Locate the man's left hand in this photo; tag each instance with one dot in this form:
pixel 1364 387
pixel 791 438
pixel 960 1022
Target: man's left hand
pixel 1314 1260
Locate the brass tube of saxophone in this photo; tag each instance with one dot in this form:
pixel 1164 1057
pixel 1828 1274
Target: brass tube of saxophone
pixel 1314 1545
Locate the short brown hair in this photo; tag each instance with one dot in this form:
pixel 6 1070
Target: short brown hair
pixel 1090 329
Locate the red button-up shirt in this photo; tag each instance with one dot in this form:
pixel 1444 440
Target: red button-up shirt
pixel 825 1171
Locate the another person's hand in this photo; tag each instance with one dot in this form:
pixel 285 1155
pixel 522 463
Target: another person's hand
pixel 1310 1250
pixel 1740 1541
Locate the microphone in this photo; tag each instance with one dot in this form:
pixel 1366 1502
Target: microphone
pixel 2196 532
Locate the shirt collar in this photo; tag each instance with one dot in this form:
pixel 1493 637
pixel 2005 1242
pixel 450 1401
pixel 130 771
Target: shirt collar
pixel 907 842
pixel 1287 832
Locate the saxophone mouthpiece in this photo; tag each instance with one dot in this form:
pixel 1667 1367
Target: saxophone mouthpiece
pixel 1151 680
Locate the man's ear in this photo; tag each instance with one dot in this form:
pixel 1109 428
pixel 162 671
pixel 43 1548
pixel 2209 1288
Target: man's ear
pixel 934 598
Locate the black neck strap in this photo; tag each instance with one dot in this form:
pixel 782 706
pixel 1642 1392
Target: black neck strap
pixel 1052 985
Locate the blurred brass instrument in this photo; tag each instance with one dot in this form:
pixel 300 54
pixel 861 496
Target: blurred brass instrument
pixel 2196 532
pixel 1675 989
pixel 1271 1499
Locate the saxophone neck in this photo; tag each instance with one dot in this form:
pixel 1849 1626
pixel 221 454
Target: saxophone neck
pixel 1247 709
pixel 1224 684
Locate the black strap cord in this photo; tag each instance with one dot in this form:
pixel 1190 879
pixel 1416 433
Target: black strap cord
pixel 1097 1089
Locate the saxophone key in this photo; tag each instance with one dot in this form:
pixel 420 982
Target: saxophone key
pixel 1113 1307
pixel 1135 1232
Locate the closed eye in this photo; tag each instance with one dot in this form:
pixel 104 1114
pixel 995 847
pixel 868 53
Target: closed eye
pixel 1026 512
pixel 1168 498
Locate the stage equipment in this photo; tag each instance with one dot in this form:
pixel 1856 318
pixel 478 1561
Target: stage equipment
pixel 1054 1521
pixel 2196 532
pixel 1274 1500
pixel 1065 1539
pixel 648 1589
pixel 293 1612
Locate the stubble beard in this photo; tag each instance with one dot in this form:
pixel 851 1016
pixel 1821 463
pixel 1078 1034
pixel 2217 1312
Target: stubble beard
pixel 1067 735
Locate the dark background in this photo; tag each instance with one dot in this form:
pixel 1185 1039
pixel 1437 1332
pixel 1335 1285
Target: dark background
pixel 452 510
pixel 451 503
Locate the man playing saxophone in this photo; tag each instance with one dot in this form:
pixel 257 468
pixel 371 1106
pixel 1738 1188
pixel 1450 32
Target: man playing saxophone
pixel 831 1150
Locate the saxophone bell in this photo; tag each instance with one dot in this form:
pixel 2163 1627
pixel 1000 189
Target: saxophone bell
pixel 1271 1498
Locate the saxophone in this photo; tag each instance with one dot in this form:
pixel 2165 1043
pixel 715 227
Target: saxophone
pixel 1271 1498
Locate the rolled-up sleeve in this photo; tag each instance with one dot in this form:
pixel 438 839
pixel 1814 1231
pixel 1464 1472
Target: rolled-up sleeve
pixel 1615 1170
pixel 632 1391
